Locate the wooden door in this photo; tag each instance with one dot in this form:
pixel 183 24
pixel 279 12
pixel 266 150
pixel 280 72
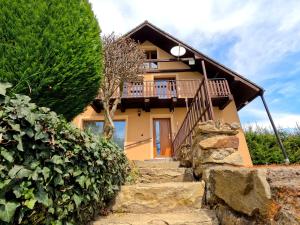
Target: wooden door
pixel 162 142
pixel 165 87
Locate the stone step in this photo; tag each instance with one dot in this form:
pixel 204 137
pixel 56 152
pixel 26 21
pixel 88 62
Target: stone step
pixel 156 164
pixel 163 175
pixel 196 217
pixel 166 159
pixel 159 197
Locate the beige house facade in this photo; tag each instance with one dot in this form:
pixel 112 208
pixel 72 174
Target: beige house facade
pixel 152 117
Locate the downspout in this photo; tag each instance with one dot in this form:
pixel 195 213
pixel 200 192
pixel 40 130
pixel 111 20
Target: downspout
pixel 287 161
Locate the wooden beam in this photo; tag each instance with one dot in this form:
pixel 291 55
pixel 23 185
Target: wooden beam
pixel 168 60
pixel 226 103
pixel 210 108
pixel 169 70
pixel 197 56
pixel 97 106
pixel 147 105
pixel 122 106
pixel 173 103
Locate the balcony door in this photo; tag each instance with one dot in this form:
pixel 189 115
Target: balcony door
pixel 162 143
pixel 165 88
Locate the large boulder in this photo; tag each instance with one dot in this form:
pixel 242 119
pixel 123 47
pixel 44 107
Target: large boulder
pixel 268 195
pixel 252 193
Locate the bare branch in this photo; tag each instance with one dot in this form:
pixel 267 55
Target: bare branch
pixel 123 62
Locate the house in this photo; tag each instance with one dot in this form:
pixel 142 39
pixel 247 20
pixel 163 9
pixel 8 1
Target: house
pixel 157 115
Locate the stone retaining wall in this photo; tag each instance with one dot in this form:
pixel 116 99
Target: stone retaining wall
pixel 214 143
pixel 240 195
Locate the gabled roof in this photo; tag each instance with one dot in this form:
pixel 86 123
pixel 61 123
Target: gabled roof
pixel 243 90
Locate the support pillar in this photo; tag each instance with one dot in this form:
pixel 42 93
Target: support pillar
pixel 287 161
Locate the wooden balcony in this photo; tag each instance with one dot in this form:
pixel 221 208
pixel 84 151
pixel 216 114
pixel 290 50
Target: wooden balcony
pixel 171 93
pixel 161 89
pixel 219 92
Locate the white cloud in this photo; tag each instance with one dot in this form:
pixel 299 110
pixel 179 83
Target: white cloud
pixel 210 17
pixel 281 120
pixel 265 31
pixel 259 117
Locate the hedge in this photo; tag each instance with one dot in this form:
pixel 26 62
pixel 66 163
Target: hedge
pixel 52 52
pixel 264 149
pixel 50 171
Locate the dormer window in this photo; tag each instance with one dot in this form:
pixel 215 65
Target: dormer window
pixel 151 54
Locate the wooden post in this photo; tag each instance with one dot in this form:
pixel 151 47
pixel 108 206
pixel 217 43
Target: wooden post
pixel 210 108
pixel 186 105
pixel 287 161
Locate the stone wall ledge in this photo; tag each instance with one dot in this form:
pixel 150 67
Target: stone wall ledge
pixel 216 127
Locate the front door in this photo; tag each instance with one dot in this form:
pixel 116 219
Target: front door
pixel 162 143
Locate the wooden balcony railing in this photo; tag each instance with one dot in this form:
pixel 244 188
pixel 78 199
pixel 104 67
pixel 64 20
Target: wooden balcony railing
pixel 173 88
pixel 218 88
pixel 161 89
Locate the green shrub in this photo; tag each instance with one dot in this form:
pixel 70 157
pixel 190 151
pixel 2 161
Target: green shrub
pixel 264 149
pixel 51 51
pixel 50 171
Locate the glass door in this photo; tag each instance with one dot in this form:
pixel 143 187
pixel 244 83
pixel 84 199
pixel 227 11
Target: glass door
pixel 162 143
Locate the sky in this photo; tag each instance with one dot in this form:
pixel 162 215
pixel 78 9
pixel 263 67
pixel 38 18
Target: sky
pixel 258 39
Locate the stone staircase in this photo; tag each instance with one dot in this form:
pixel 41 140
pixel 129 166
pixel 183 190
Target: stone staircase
pixel 165 194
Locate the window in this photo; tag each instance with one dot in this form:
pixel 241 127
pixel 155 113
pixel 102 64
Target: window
pixel 96 127
pixel 151 54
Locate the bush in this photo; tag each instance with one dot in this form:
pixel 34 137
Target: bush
pixel 51 51
pixel 264 149
pixel 51 172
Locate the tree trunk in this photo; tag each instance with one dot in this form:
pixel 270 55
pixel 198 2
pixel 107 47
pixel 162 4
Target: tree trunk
pixel 108 126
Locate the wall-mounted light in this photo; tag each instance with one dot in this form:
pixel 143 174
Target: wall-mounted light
pixel 139 112
pixel 191 61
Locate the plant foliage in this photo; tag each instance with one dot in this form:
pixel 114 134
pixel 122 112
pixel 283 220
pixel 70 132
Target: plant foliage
pixel 51 51
pixel 50 171
pixel 264 149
